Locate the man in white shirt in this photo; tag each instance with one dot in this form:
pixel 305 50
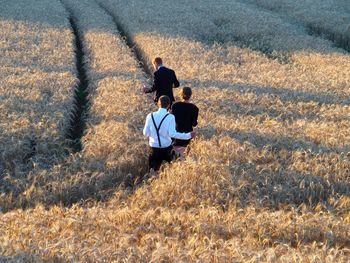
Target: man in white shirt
pixel 160 128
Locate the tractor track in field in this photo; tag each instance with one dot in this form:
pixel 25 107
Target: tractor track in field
pixel 77 122
pixel 138 53
pixel 74 131
pixel 130 183
pixel 339 40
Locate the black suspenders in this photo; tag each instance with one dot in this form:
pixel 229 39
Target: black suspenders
pixel 158 128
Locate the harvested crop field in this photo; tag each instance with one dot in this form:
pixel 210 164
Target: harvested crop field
pixel 268 178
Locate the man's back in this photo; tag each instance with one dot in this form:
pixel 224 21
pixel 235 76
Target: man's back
pixel 166 126
pixel 164 79
pixel 158 117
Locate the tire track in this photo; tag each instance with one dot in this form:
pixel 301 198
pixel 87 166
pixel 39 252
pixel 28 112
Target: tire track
pixel 77 121
pixel 136 50
pixel 130 183
pixel 339 40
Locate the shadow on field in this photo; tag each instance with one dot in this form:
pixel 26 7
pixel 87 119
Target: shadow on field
pixel 270 179
pixel 225 23
pixel 287 114
pixel 24 258
pixel 68 184
pixel 212 24
pixel 299 234
pixel 286 187
pixel 284 94
pixel 21 148
pixel 277 143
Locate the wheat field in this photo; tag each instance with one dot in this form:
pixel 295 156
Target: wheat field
pixel 268 179
pixel 37 79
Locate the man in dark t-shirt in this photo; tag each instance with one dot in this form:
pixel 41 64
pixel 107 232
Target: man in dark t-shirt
pixel 186 115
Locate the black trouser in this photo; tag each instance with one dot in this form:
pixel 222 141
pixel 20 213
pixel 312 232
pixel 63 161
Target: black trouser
pixel 182 143
pixel 158 155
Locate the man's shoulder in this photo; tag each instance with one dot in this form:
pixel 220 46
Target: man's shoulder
pixel 176 104
pixel 150 114
pixel 185 105
pixel 171 116
pixel 171 71
pixel 195 107
pixel 165 69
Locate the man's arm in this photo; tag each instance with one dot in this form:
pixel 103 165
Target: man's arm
pixel 155 84
pixel 146 129
pixel 174 134
pixel 176 82
pixel 195 117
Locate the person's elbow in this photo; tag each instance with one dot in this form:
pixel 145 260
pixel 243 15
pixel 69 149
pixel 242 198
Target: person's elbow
pixel 172 134
pixel 146 129
pixel 145 132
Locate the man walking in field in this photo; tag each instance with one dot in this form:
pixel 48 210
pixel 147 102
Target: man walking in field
pixel 164 80
pixel 160 128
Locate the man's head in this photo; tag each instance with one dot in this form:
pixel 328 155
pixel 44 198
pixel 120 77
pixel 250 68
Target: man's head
pixel 164 102
pixel 186 93
pixel 157 62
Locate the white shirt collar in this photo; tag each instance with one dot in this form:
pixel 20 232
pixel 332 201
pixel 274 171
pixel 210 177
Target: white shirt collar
pixel 162 110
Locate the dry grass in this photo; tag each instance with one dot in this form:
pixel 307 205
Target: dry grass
pixel 268 180
pixel 36 85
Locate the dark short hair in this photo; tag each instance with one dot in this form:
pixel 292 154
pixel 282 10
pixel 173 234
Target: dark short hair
pixel 186 93
pixel 164 101
pixel 158 61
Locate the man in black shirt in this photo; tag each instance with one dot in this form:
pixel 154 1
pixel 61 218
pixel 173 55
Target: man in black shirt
pixel 186 115
pixel 164 80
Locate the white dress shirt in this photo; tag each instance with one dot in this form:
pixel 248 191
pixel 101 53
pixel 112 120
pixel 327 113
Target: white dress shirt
pixel 166 132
